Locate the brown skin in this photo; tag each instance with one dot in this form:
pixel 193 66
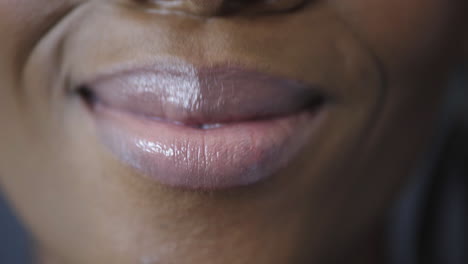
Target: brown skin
pixel 388 61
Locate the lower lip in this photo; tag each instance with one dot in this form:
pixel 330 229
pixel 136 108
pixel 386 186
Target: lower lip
pixel 234 155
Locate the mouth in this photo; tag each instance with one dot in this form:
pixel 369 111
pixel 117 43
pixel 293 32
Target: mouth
pixel 204 128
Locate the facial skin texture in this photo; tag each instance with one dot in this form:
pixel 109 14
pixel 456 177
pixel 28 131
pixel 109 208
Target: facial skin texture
pixel 388 60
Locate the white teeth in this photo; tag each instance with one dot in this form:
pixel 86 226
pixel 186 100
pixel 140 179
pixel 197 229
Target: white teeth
pixel 210 126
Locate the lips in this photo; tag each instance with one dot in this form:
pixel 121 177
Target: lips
pixel 203 128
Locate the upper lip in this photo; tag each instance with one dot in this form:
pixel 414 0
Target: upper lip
pixel 200 96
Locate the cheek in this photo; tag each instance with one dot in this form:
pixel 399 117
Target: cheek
pixel 403 32
pixel 24 22
pixel 18 14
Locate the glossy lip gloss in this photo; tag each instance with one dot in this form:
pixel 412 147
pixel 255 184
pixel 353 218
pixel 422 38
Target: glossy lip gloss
pixel 203 128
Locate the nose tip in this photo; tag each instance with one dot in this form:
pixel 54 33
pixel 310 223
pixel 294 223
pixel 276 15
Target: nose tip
pixel 222 7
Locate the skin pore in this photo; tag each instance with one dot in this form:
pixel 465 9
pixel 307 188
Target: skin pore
pixel 387 62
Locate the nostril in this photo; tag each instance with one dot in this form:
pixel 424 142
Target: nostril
pixel 283 5
pixel 231 6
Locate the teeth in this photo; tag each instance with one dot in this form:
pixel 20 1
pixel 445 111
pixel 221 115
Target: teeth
pixel 210 126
